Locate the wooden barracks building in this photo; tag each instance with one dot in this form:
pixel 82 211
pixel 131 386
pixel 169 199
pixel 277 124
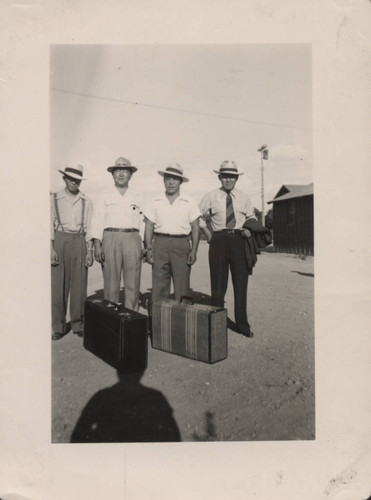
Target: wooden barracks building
pixel 293 230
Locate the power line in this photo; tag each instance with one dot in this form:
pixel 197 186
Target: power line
pixel 168 108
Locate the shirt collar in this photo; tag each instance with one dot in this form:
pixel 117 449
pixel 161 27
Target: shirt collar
pixel 162 196
pixel 114 188
pixel 181 197
pixel 232 193
pixel 64 194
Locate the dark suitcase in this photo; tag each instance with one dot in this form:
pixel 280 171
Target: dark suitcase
pixel 117 335
pixel 195 331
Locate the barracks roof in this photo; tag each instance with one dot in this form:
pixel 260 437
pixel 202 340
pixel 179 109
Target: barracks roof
pixel 289 191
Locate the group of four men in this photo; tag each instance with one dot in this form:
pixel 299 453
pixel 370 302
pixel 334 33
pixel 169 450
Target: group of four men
pixel 171 237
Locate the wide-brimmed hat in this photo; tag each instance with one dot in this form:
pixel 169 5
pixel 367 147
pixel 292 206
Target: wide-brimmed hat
pixel 74 172
pixel 228 167
pixel 175 170
pixel 122 163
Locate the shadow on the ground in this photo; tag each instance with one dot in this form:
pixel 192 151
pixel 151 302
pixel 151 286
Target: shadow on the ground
pixel 127 412
pixel 210 431
pixel 268 249
pixel 311 275
pixel 98 295
pixel 145 297
pixel 198 297
pixel 231 325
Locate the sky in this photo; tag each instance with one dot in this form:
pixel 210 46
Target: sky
pixel 196 105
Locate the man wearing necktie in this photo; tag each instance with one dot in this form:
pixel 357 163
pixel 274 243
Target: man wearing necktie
pixel 228 208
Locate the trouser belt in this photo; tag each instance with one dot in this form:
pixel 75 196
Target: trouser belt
pixel 167 235
pixel 121 230
pixel 70 233
pixel 229 231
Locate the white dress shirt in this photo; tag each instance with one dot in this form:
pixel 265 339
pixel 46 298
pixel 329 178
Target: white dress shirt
pixel 113 209
pixel 70 213
pixel 214 204
pixel 172 218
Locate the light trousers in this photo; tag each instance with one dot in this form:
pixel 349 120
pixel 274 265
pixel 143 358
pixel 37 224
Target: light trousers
pixel 123 257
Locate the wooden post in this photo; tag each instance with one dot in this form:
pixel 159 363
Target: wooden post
pixel 261 150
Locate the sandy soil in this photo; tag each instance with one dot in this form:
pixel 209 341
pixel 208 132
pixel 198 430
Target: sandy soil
pixel 264 390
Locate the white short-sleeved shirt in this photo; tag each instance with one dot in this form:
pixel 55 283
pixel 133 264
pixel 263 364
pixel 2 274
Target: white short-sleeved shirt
pixel 214 204
pixel 113 209
pixel 71 213
pixel 172 218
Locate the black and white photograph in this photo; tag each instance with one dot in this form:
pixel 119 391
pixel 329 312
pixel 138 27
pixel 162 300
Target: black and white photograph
pixel 185 246
pixel 182 189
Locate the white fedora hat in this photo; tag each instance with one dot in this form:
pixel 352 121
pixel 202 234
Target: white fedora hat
pixel 74 172
pixel 228 167
pixel 175 170
pixel 122 162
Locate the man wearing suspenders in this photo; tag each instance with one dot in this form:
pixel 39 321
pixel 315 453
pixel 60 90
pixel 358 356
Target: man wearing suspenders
pixel 71 252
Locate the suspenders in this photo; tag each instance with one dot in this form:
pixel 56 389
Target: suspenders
pixel 82 215
pixel 57 214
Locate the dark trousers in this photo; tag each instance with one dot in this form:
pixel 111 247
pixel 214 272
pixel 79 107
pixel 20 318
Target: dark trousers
pixel 69 279
pixel 227 251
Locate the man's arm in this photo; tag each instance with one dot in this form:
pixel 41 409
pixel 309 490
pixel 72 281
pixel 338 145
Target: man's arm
pixel 54 259
pixel 148 237
pixel 88 236
pixel 195 237
pixel 97 229
pixel 205 229
pixel 98 251
pixel 205 207
pixel 250 216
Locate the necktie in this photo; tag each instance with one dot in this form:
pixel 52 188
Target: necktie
pixel 230 220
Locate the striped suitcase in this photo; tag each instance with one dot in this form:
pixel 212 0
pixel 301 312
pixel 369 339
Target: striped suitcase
pixel 195 331
pixel 117 335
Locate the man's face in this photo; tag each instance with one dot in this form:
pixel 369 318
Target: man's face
pixel 228 181
pixel 172 184
pixel 121 176
pixel 72 184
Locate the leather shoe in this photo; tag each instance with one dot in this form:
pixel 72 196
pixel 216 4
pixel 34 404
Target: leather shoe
pixel 57 336
pixel 79 334
pixel 246 333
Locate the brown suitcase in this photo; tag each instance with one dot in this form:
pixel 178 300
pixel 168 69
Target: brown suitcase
pixel 195 331
pixel 117 335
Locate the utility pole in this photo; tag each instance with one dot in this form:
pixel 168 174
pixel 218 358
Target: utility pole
pixel 264 156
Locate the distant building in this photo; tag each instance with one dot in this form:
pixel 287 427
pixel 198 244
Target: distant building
pixel 292 215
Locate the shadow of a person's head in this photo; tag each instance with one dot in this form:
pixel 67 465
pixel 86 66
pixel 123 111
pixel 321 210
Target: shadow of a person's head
pixel 126 412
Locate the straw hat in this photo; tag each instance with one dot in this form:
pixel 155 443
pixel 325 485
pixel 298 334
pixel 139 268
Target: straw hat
pixel 122 162
pixel 175 170
pixel 228 167
pixel 75 173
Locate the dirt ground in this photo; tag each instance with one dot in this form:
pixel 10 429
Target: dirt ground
pixel 264 390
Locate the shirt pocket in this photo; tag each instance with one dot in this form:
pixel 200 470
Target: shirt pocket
pixel 239 207
pixel 111 203
pixel 218 207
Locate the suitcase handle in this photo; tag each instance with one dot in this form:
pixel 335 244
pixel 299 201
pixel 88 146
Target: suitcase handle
pixel 113 305
pixel 187 300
